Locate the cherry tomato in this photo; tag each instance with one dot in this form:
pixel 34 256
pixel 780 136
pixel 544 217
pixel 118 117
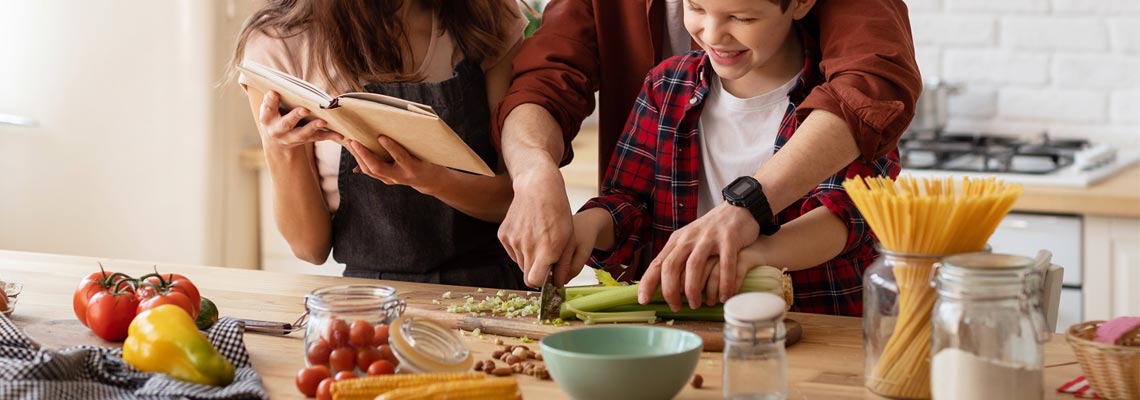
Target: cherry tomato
pixel 109 314
pixel 361 333
pixel 324 391
pixel 386 354
pixel 342 375
pixel 337 333
pixel 318 352
pixel 380 336
pixel 94 282
pixel 309 378
pixel 343 359
pixel 365 356
pixel 381 367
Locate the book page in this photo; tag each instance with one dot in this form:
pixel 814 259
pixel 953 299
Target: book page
pixel 290 87
pixel 394 102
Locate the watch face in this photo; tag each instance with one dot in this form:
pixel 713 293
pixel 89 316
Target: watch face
pixel 739 190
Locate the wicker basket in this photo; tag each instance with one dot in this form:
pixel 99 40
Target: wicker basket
pixel 1112 370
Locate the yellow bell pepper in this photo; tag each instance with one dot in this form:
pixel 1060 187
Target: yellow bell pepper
pixel 165 340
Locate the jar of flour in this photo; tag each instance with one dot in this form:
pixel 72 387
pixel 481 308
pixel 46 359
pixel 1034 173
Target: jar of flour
pixel 987 328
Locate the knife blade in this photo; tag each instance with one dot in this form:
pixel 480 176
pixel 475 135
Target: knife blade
pixel 550 303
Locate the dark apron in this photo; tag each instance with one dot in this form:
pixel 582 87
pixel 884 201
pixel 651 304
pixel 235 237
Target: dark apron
pixel 394 232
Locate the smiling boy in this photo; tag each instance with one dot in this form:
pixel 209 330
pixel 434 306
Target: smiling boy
pixel 706 121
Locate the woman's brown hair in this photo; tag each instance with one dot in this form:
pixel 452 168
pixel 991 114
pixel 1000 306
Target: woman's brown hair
pixel 362 39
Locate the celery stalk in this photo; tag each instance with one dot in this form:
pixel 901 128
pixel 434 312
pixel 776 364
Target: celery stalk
pixel 705 313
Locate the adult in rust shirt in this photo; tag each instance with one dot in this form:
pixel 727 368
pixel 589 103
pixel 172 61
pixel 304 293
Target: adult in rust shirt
pixel 860 110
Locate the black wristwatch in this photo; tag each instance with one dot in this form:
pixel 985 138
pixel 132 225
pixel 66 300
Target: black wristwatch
pixel 746 192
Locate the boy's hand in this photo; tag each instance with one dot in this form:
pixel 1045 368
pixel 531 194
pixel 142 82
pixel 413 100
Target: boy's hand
pixel 538 231
pixel 405 169
pixel 724 231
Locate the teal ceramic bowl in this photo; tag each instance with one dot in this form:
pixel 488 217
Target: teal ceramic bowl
pixel 621 361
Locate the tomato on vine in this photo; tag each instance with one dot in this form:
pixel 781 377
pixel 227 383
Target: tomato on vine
pixel 96 282
pixel 158 289
pixel 109 312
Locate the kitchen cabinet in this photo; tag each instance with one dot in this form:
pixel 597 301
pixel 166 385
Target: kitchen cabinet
pixel 1112 267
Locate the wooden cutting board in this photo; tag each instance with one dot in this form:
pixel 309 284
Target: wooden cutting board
pixel 420 304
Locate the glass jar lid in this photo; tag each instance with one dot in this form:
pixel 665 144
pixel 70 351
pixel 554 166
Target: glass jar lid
pixel 426 346
pixel 751 308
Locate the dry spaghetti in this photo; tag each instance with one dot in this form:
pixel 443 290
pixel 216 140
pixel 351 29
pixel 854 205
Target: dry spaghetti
pixel 928 217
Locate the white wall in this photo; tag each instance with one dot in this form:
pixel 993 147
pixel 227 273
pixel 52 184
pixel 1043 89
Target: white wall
pixel 1069 67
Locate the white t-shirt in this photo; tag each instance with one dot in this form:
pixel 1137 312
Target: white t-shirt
pixel 736 136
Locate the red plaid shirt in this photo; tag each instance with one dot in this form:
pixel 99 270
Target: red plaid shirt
pixel 651 184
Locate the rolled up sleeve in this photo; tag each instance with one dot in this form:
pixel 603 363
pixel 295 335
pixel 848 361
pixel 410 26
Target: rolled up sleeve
pixel 557 69
pixel 871 77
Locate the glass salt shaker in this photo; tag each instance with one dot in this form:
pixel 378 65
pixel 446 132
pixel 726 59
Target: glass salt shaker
pixel 755 361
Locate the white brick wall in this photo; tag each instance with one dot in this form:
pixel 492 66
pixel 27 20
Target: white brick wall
pixel 1068 67
pixel 1105 71
pixel 994 67
pixel 1126 106
pixel 995 7
pixel 1097 7
pixel 953 30
pixel 1037 33
pixel 1053 105
pixel 1125 33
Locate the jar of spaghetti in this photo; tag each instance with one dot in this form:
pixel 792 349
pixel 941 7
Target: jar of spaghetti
pixel 988 328
pixel 897 299
pixel 347 327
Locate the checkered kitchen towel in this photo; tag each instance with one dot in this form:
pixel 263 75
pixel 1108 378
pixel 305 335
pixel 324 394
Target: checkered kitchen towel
pixel 90 372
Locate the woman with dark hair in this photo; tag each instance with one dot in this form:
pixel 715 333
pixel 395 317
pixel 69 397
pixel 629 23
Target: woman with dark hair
pixel 407 219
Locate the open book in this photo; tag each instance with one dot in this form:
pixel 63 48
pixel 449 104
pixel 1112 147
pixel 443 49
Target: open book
pixel 364 116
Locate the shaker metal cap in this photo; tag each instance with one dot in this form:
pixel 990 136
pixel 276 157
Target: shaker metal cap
pixel 754 307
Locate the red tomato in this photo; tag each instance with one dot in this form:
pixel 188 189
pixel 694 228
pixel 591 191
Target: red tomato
pixel 361 333
pixel 109 314
pixel 342 375
pixel 318 353
pixel 386 354
pixel 324 390
pixel 381 367
pixel 309 378
pixel 343 359
pixel 172 283
pixel 337 333
pixel 94 283
pixel 380 336
pixel 175 298
pixel 365 356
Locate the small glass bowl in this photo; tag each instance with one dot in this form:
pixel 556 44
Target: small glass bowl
pixel 12 290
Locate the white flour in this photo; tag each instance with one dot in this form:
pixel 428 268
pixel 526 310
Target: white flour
pixel 956 374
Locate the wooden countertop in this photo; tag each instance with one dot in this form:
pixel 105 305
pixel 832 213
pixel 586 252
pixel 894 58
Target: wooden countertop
pixel 826 364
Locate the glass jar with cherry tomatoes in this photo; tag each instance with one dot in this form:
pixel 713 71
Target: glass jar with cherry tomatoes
pixel 347 328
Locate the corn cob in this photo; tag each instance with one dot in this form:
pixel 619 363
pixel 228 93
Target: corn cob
pixel 486 389
pixel 368 387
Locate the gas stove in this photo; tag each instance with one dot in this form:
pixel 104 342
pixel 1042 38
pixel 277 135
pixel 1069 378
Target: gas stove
pixel 1036 159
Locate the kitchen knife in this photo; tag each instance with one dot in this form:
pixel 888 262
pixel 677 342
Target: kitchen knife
pixel 550 301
